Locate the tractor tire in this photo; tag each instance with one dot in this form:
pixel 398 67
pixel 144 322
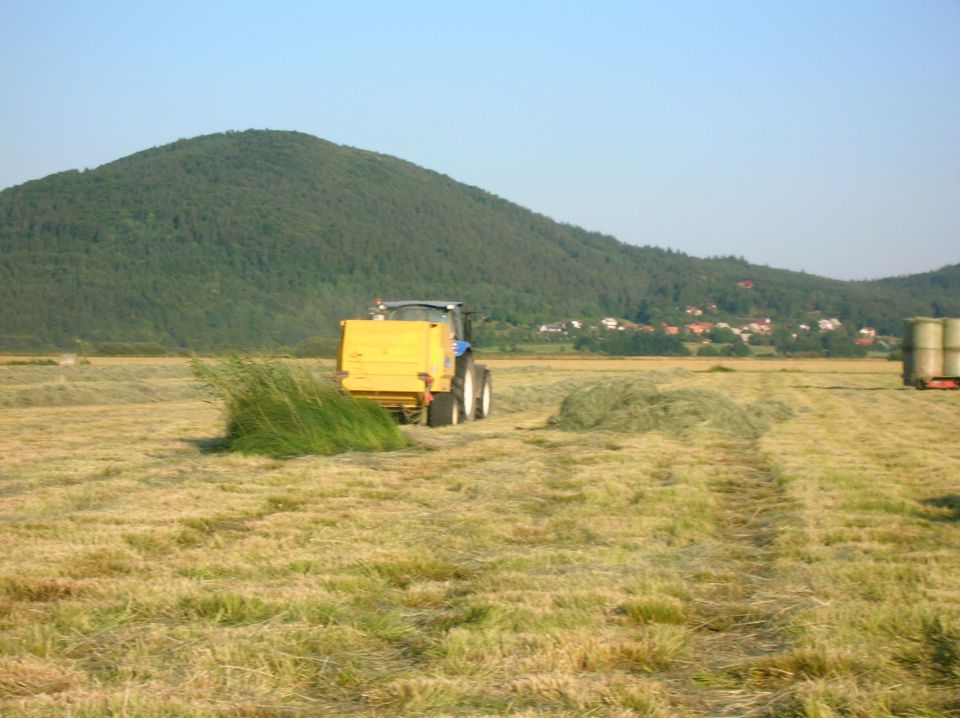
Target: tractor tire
pixel 465 387
pixel 444 410
pixel 484 392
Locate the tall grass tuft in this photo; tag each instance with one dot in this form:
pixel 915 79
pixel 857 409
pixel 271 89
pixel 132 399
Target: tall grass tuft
pixel 278 410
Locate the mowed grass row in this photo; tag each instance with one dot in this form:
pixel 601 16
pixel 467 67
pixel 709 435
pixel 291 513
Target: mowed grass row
pixel 497 568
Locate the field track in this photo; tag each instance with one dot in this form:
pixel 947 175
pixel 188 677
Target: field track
pixel 497 568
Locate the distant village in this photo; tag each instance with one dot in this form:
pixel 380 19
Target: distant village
pixel 763 326
pixel 698 330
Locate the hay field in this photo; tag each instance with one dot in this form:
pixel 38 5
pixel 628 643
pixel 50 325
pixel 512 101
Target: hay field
pixel 498 568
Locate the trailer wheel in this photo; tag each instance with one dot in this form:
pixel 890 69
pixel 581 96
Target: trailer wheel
pixel 484 393
pixel 444 410
pixel 464 387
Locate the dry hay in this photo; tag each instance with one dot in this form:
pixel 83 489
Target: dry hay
pixel 83 373
pixel 29 676
pixel 30 386
pixel 68 394
pixel 510 400
pixel 637 406
pixel 538 395
pixel 770 411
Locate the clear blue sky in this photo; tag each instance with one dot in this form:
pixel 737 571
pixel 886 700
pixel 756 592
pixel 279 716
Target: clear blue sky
pixel 820 135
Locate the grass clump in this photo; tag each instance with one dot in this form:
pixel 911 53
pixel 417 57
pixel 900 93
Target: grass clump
pixel 277 410
pixel 720 369
pixel 228 609
pixel 654 609
pixel 638 406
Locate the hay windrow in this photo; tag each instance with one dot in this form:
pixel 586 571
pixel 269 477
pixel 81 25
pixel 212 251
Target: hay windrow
pixel 84 373
pixel 637 406
pixel 514 398
pixel 84 385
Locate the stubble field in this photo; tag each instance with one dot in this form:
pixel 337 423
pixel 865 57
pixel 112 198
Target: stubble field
pixel 497 568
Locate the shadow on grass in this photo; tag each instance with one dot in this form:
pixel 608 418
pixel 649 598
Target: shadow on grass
pixel 949 503
pixel 208 445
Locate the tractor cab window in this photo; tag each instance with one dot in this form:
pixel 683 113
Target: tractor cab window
pixel 417 313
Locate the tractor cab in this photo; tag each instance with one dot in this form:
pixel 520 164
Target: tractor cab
pixel 438 312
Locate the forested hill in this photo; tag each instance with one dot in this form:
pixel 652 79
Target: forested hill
pixel 261 238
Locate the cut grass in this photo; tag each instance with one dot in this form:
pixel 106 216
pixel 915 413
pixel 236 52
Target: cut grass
pixel 629 404
pixel 29 362
pixel 278 410
pixel 813 571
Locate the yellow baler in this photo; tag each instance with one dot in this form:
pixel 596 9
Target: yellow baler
pixel 400 365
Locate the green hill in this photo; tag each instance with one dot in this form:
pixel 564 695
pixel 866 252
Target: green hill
pixel 261 238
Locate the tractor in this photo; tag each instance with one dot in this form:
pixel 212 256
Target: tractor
pixel 415 359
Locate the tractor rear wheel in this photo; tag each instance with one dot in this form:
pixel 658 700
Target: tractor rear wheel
pixel 444 410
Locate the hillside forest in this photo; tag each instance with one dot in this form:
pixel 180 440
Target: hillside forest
pixel 265 238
